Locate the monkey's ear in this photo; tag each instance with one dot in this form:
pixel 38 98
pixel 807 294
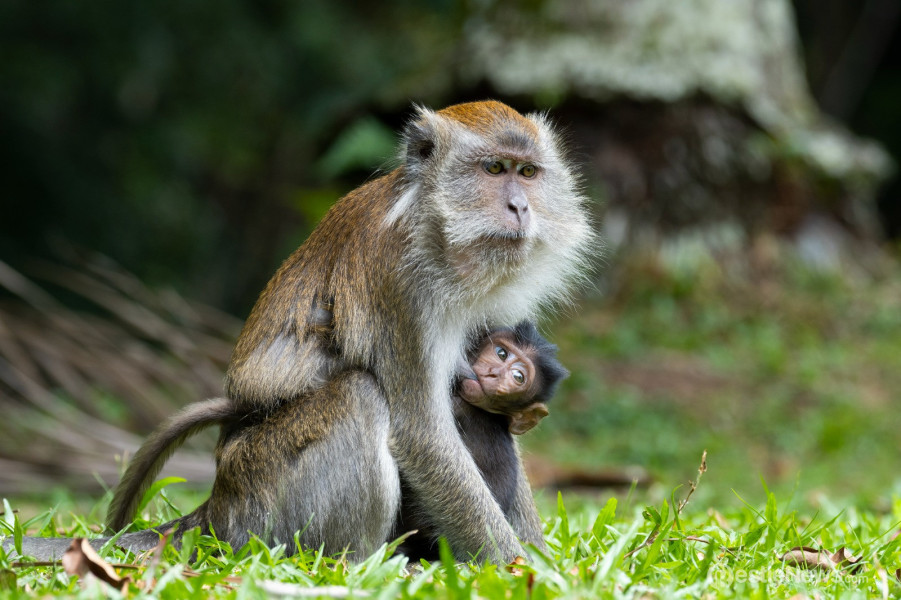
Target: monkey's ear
pixel 419 138
pixel 526 419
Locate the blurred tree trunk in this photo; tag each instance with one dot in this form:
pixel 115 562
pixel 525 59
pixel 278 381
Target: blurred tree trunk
pixel 695 118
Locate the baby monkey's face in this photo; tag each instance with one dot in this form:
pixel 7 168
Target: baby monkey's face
pixel 506 376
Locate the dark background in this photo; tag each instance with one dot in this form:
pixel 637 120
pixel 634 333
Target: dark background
pixel 188 140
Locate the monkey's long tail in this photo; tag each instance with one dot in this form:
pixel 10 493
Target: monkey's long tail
pixel 149 460
pixel 139 541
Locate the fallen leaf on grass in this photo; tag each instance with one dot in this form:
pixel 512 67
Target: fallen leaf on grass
pixel 516 569
pixel 81 559
pixel 811 558
pixel 844 559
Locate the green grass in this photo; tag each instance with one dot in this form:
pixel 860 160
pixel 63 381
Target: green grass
pixel 616 549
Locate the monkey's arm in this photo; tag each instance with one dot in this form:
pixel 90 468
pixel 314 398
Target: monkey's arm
pixel 442 474
pixel 149 460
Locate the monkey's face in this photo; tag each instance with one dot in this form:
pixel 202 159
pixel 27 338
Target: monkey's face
pixel 491 195
pixel 506 376
pixel 493 222
pixel 506 381
pixel 497 204
pixel 508 184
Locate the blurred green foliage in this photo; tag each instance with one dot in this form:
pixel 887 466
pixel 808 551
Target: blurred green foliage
pixel 179 137
pixel 197 143
pixel 790 374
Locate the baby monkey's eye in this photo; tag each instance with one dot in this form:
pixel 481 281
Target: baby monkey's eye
pixel 501 353
pixel 528 171
pixel 495 167
pixel 518 376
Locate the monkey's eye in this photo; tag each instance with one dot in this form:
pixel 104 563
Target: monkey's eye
pixel 501 353
pixel 495 167
pixel 518 376
pixel 528 171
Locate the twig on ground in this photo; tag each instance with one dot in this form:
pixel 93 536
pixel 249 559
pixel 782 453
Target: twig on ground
pixel 694 485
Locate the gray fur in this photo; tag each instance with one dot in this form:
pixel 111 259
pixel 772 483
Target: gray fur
pixel 341 489
pixel 137 542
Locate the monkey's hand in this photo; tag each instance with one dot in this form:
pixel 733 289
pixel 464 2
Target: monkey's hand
pixel 524 420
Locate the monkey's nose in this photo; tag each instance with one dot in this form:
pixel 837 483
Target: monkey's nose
pixel 518 206
pixel 518 210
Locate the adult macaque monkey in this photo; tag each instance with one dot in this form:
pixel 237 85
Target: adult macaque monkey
pixel 481 224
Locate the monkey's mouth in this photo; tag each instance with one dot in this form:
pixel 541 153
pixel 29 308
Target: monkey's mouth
pixel 471 389
pixel 515 241
pixel 509 235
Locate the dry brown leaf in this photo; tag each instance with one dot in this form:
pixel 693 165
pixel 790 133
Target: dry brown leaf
pixel 844 559
pixel 81 559
pixel 808 558
pixel 516 569
pixel 811 558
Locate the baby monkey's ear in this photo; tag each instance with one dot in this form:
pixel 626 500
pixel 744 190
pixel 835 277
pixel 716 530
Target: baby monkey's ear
pixel 526 419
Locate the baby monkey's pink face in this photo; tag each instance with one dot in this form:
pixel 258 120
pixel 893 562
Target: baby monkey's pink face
pixel 507 382
pixel 503 370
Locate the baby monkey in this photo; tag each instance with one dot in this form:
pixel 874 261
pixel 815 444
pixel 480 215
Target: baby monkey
pixel 514 372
